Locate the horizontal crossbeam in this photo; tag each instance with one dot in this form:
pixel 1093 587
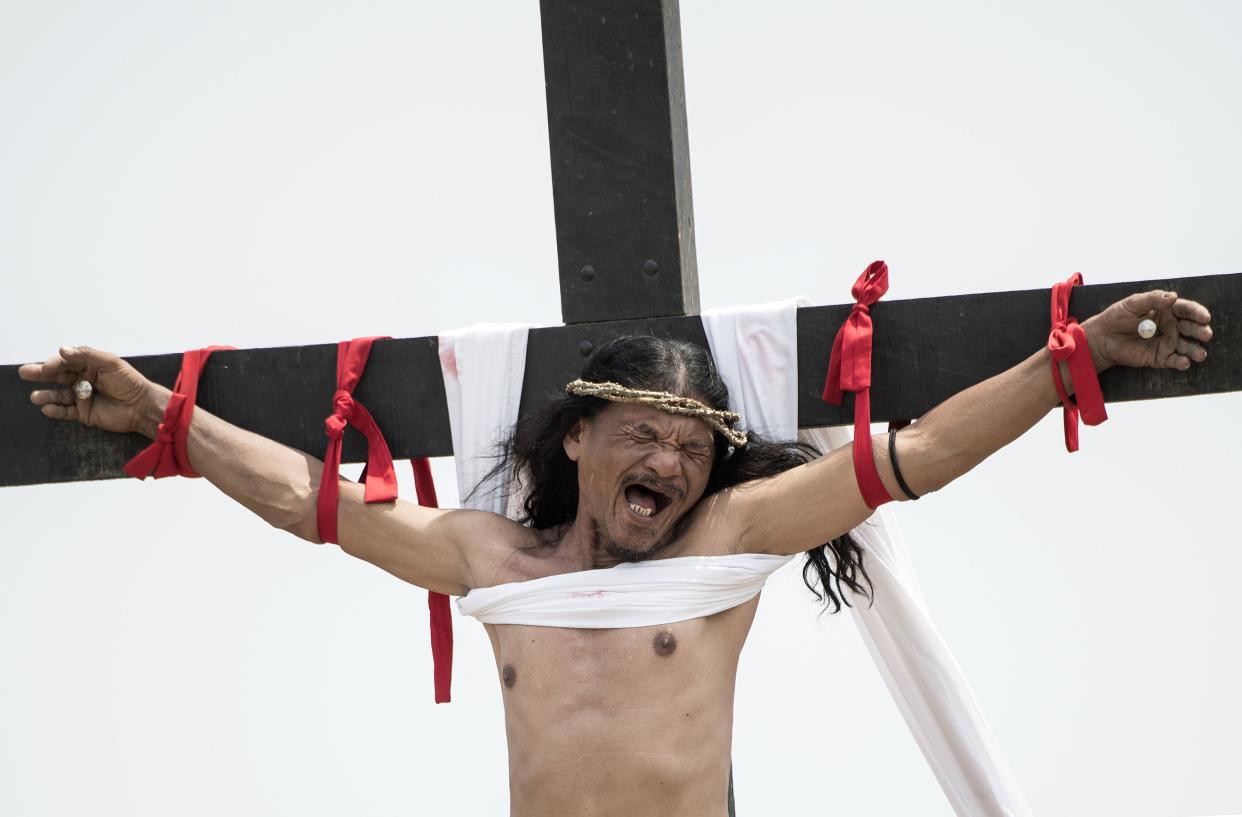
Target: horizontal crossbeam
pixel 926 349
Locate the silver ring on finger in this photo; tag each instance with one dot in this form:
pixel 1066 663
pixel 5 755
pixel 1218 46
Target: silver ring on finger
pixel 83 390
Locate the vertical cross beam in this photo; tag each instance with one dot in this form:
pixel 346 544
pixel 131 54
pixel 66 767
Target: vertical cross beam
pixel 620 159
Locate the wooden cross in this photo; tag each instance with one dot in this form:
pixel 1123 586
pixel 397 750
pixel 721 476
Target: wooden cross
pixel 625 242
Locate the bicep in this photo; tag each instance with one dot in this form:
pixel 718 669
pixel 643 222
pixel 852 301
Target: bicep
pixel 802 508
pixel 428 547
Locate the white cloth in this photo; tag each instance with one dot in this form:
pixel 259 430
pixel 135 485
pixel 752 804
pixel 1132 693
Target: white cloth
pixel 482 367
pixel 632 594
pixel 755 349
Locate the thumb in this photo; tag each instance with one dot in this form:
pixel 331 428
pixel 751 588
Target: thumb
pixel 84 357
pixel 1141 303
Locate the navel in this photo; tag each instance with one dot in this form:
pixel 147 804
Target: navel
pixel 664 644
pixel 508 675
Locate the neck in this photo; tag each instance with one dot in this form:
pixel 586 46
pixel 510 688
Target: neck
pixel 585 545
pixel 581 544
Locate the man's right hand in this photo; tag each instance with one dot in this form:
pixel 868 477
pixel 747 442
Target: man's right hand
pixel 123 400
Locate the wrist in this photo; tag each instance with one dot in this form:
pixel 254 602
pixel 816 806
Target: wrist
pixel 151 410
pixel 1097 340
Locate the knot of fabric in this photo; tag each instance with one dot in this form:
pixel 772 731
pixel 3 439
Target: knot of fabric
pixel 1063 339
pixel 849 369
pixel 1067 342
pixel 342 412
pixel 334 426
pixel 342 404
pixel 381 480
pixel 381 486
pixel 871 285
pixel 167 455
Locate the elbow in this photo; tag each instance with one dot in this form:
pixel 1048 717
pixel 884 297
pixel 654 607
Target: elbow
pixel 927 463
pixel 296 513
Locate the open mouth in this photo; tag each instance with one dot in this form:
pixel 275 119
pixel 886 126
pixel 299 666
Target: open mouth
pixel 646 500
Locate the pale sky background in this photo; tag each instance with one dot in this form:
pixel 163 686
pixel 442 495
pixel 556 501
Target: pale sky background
pixel 263 173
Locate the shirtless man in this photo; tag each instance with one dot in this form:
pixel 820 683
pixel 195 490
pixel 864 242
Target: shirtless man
pixel 633 721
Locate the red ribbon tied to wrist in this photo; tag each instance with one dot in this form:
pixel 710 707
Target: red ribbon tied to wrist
pixel 1068 341
pixel 437 603
pixel 849 369
pixel 167 455
pixel 381 480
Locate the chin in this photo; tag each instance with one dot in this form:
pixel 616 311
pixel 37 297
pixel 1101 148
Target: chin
pixel 629 548
pixel 626 554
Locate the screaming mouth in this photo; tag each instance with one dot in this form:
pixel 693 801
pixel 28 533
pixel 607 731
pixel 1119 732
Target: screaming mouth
pixel 647 500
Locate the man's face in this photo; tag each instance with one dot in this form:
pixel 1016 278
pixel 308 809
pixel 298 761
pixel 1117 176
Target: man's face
pixel 639 470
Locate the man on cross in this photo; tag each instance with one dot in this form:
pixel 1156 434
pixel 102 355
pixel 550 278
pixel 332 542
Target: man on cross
pixel 631 720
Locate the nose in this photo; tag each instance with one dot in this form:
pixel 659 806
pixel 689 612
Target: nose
pixel 665 462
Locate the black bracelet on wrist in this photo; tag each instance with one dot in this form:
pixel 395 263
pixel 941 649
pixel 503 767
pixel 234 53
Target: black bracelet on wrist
pixel 892 457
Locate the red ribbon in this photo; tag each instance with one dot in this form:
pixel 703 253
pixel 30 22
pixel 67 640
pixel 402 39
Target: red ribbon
pixel 167 455
pixel 381 486
pixel 381 480
pixel 849 369
pixel 437 603
pixel 1068 341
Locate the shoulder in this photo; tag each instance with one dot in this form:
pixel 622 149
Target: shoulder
pixel 710 528
pixel 498 549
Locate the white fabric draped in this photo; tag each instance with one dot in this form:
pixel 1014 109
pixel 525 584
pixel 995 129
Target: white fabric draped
pixel 483 367
pixel 638 594
pixel 755 349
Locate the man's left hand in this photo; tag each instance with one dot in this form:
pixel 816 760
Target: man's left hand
pixel 1181 327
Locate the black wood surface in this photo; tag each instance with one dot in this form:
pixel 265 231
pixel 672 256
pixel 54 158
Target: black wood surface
pixel 925 350
pixel 928 349
pixel 620 159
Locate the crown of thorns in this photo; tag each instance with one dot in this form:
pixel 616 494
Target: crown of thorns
pixel 720 420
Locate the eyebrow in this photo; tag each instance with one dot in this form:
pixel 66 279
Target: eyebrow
pixel 647 428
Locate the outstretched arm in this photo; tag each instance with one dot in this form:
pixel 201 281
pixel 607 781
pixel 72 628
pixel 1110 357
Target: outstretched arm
pixel 424 546
pixel 814 503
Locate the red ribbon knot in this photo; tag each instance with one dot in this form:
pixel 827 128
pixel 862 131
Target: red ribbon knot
pixel 849 369
pixel 342 413
pixel 167 455
pixel 381 486
pixel 1067 341
pixel 381 479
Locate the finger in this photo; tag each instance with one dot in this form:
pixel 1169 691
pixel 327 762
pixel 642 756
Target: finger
pixel 90 375
pixel 1193 329
pixel 1192 350
pixel 58 412
pixel 53 370
pixel 1141 303
pixel 1176 361
pixel 1192 310
pixel 84 357
pixel 59 397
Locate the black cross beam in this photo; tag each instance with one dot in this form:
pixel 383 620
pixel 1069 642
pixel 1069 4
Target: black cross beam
pixel 625 242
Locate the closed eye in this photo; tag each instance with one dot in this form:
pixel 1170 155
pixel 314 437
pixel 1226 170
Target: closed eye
pixel 696 450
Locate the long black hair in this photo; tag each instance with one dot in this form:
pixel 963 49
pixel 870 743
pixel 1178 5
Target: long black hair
pixel 532 457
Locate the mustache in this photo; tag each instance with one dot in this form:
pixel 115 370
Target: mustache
pixel 667 487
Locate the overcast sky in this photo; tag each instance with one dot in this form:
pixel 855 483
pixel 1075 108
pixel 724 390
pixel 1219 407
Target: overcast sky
pixel 263 173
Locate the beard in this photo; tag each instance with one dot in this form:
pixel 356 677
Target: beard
pixel 603 543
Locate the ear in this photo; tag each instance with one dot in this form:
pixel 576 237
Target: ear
pixel 572 442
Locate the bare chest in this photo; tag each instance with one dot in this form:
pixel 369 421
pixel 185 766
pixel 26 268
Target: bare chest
pixel 552 671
